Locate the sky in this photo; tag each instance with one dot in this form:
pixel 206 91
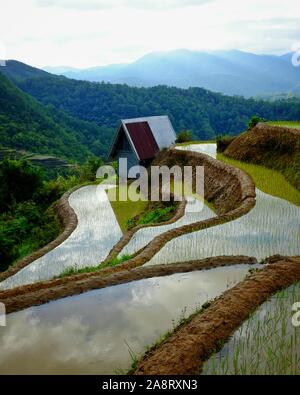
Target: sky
pixel 86 33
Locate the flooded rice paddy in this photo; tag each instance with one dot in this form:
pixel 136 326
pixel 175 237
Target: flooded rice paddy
pixel 271 227
pixel 195 211
pixel 267 343
pixel 91 333
pixel 203 148
pixel 96 233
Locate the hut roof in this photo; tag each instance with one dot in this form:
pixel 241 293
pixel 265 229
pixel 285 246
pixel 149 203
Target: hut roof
pixel 147 135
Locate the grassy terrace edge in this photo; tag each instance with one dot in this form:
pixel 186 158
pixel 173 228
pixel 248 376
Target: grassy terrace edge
pixel 267 180
pixel 186 349
pixel 242 188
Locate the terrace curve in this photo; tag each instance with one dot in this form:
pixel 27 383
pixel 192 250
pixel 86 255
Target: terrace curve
pixel 230 190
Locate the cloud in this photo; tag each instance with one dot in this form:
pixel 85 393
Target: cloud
pixel 108 4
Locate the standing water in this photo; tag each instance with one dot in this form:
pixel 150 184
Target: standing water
pixel 91 333
pixel 95 235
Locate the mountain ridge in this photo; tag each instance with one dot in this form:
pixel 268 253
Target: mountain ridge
pixel 205 113
pixel 231 72
pixel 27 124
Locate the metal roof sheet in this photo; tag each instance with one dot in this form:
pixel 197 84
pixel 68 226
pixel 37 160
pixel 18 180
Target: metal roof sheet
pixel 161 128
pixel 142 139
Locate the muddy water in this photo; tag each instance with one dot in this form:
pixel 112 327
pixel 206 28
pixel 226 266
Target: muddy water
pixel 90 333
pixel 97 232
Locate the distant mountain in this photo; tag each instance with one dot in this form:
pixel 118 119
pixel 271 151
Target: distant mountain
pixel 60 70
pixel 229 72
pixel 28 125
pixel 205 113
pixel 20 71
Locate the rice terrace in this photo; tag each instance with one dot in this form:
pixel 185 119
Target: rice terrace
pixel 149 210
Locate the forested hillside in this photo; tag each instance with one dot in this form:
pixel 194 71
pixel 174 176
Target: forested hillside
pixel 230 72
pixel 26 124
pixel 206 113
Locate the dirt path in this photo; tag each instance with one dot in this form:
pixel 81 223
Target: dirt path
pixel 185 351
pixel 32 295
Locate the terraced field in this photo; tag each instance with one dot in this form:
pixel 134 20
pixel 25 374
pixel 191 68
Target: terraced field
pixel 111 325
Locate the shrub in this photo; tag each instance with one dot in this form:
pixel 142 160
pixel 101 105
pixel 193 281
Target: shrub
pixel 19 180
pixel 223 142
pixel 254 120
pixel 184 136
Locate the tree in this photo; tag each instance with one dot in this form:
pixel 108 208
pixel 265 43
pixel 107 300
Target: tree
pixel 19 180
pixel 253 121
pixel 184 136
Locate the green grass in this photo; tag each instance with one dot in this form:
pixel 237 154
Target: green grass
pixel 125 210
pixel 196 142
pixel 266 343
pixel 289 124
pixel 131 213
pixel 157 215
pixel 90 269
pixel 267 180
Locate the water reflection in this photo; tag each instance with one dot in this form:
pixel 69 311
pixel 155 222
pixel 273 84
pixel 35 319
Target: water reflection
pixel 271 227
pixel 143 236
pixel 266 343
pixel 209 148
pixel 97 232
pixel 87 334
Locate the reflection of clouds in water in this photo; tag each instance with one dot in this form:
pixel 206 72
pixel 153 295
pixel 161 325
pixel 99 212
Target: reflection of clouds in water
pixel 64 347
pixel 96 233
pixel 88 333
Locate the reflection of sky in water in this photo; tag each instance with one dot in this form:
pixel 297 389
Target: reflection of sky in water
pixel 97 232
pixel 88 333
pixel 271 227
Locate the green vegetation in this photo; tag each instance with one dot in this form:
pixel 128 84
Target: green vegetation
pixel 254 120
pixel 27 220
pixel 275 148
pixel 184 136
pixel 267 343
pixel 153 216
pixel 27 217
pixel 196 142
pixel 131 213
pixel 127 209
pixel 268 180
pixel 288 124
pixel 205 113
pixel 223 142
pixel 91 269
pixel 27 125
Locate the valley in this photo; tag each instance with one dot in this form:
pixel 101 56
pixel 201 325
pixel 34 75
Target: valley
pixel 126 280
pixel 145 295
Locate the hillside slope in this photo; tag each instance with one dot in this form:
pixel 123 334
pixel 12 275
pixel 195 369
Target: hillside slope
pixel 205 113
pixel 271 146
pixel 230 72
pixel 26 124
